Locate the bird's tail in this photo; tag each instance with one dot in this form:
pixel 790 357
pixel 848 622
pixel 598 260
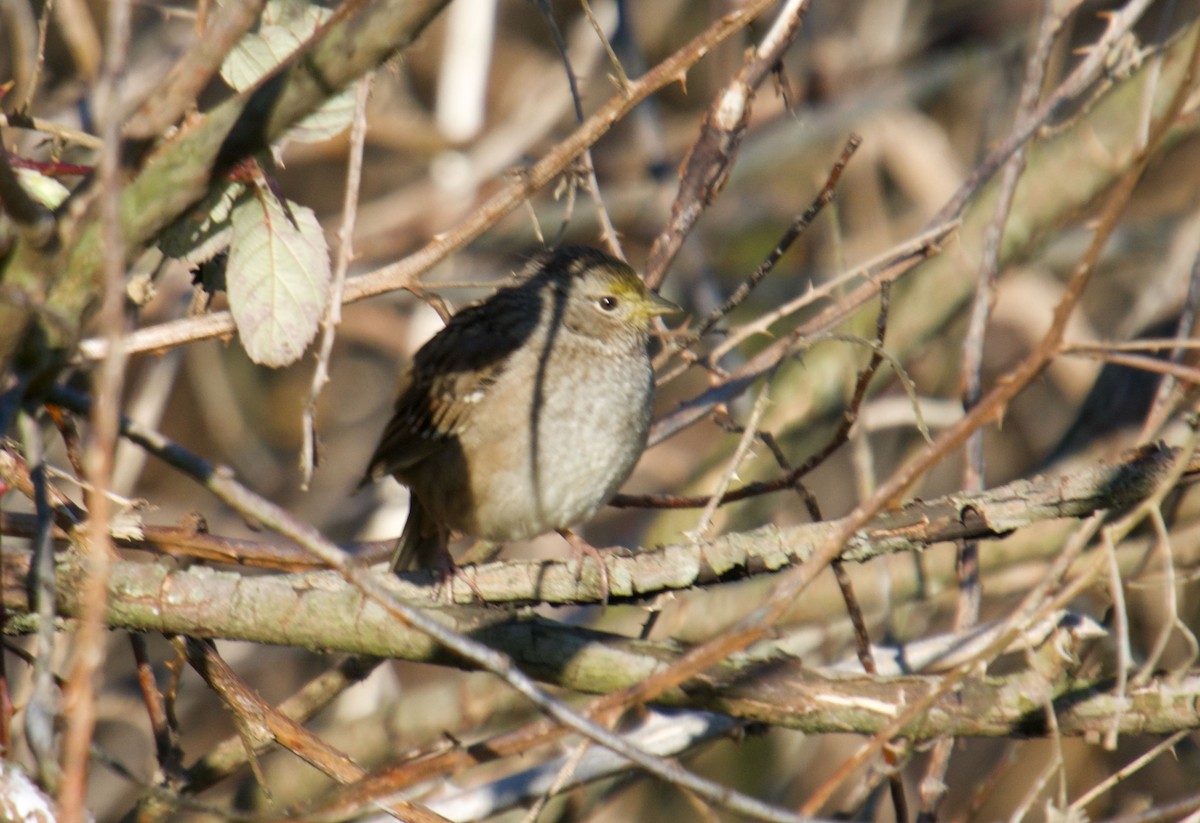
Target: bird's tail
pixel 421 544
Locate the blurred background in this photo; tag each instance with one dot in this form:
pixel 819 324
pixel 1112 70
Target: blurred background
pixel 930 87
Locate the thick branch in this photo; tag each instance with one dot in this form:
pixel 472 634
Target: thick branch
pixel 919 524
pixel 319 613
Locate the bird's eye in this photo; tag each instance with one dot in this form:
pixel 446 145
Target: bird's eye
pixel 607 302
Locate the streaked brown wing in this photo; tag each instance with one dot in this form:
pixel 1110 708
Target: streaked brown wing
pixel 450 375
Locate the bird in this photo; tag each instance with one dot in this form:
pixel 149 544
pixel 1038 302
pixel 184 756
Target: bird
pixel 527 411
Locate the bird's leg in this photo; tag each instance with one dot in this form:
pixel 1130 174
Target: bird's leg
pixel 446 571
pixel 581 549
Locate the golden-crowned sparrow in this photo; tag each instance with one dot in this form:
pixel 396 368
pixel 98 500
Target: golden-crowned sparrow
pixel 528 410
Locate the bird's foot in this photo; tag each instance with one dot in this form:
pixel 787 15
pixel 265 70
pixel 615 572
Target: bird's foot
pixel 445 572
pixel 581 549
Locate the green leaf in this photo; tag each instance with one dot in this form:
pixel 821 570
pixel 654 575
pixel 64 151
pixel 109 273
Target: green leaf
pixel 46 190
pixel 203 232
pixel 290 25
pixel 277 278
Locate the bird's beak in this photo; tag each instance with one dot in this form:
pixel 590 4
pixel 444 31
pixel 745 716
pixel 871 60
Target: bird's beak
pixel 659 305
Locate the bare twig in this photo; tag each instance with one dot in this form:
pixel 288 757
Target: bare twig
pixel 166 733
pixel 1151 344
pixel 226 757
pixel 709 161
pixel 613 60
pixel 738 381
pixel 701 532
pixel 1162 547
pixel 608 232
pixel 798 226
pixel 1129 769
pixel 991 406
pixel 970 593
pixel 56 130
pixel 1051 22
pixel 1184 329
pixel 261 721
pixel 922 246
pixel 1085 74
pixel 791 478
pixel 187 78
pixel 89 651
pixel 406 272
pixel 1187 374
pixel 1120 621
pixel 333 312
pixel 42 711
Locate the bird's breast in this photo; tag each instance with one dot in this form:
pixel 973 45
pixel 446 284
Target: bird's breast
pixel 571 430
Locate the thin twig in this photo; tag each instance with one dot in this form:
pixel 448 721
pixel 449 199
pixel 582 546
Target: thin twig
pixel 404 273
pixel 1184 329
pixel 333 312
pixel 710 159
pixel 226 757
pixel 166 733
pixel 862 638
pixel 1093 66
pixel 824 197
pixel 970 591
pixel 1051 22
pixel 42 710
pixel 1128 770
pixel 1188 374
pixel 1120 621
pixel 920 247
pixel 178 91
pixel 738 381
pixel 608 232
pixel 1162 545
pixel 40 61
pixel 613 60
pixel 790 479
pixel 702 531
pixel 1149 344
pixel 56 130
pixel 565 772
pixel 755 625
pixel 90 641
pixel 1035 787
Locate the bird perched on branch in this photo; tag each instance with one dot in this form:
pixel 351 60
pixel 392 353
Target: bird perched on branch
pixel 527 411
